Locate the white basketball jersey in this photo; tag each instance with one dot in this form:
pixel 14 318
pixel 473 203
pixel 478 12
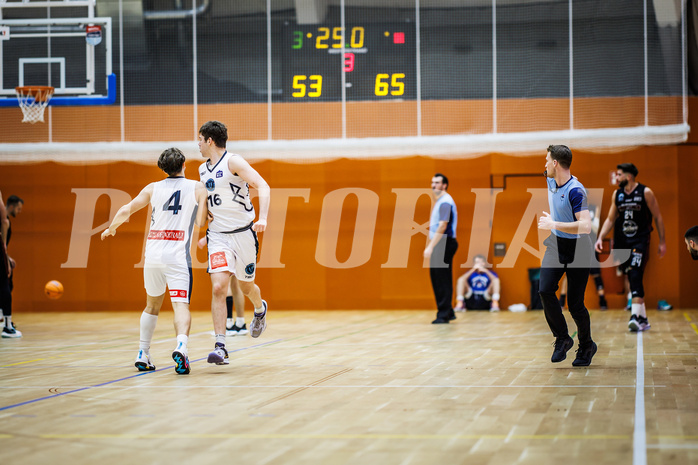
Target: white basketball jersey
pixel 228 196
pixel 174 209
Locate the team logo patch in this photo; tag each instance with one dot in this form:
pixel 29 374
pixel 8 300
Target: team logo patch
pixel 249 269
pixel 178 293
pixel 218 260
pixel 210 185
pixel 219 174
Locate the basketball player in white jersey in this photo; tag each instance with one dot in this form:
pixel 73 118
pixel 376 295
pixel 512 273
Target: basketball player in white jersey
pixel 232 231
pixel 177 203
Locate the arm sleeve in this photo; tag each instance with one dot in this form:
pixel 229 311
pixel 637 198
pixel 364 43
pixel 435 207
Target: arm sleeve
pixel 444 212
pixel 578 200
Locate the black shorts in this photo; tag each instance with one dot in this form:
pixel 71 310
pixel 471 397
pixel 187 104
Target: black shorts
pixel 477 302
pixel 639 255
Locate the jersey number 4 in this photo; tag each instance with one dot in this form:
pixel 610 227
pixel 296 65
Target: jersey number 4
pixel 173 203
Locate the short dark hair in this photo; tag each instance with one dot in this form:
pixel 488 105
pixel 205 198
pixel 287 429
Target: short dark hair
pixel 171 161
pixel 628 168
pixel 14 200
pixel 216 131
pixel 444 179
pixel 562 154
pixel 692 234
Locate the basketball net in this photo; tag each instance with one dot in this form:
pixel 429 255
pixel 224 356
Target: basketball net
pixel 33 101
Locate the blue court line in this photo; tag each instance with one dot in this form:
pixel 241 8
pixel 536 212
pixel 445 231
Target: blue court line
pixel 7 407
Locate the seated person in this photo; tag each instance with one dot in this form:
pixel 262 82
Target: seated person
pixel 478 289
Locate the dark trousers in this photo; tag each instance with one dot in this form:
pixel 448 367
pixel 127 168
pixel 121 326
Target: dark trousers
pixel 560 262
pixel 441 272
pixel 5 292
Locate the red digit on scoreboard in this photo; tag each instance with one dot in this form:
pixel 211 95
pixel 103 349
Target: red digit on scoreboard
pixel 348 62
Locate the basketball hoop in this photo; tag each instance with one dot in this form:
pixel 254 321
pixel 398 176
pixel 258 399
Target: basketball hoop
pixel 33 101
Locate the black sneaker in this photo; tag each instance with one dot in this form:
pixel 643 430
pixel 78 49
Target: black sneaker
pixel 644 323
pixel 603 305
pixel 584 355
pixel 236 330
pixel 440 321
pixel 11 332
pixel 562 346
pixel 634 323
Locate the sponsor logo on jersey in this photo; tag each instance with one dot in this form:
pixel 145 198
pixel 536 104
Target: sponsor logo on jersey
pixel 621 196
pixel 638 199
pixel 165 235
pixel 249 269
pixel 210 185
pixel 219 174
pixel 629 228
pixel 218 260
pixel 178 293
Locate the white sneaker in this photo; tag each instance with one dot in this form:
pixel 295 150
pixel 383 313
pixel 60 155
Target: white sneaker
pixel 143 362
pixel 219 356
pixel 11 332
pixel 259 322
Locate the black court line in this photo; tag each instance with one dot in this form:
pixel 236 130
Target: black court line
pixel 7 407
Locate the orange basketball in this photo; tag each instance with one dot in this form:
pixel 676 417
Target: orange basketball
pixel 53 289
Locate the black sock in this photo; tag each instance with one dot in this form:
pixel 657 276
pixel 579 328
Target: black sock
pixel 562 299
pixel 229 305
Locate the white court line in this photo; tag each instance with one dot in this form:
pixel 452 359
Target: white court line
pixel 673 446
pixel 357 386
pixel 640 435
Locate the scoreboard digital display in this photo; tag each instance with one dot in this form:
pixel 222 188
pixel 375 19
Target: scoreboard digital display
pixel 378 62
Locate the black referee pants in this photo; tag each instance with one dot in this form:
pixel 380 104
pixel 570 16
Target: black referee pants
pixel 441 272
pixel 562 257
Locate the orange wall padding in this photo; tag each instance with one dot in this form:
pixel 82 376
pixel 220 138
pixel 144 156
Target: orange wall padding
pixel 323 120
pixel 299 276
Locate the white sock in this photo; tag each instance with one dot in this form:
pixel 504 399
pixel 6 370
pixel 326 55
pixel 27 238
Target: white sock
pixel 8 321
pixel 259 310
pixel 643 311
pixel 636 309
pixel 182 340
pixel 148 323
pixel 229 323
pixel 220 339
pixel 239 321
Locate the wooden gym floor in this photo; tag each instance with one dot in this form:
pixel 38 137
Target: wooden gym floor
pixel 351 387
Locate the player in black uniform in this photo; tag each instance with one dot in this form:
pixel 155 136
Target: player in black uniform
pixel 632 209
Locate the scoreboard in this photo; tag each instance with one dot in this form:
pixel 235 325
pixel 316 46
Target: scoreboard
pixel 378 62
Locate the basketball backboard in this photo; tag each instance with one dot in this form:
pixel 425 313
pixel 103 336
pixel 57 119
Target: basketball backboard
pixel 39 46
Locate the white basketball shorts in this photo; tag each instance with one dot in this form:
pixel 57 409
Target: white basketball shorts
pixel 233 252
pixel 175 277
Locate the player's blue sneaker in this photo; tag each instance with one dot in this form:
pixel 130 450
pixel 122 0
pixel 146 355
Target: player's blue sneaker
pixel 664 305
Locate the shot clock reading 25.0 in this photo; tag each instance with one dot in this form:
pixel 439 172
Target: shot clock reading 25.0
pixel 378 62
